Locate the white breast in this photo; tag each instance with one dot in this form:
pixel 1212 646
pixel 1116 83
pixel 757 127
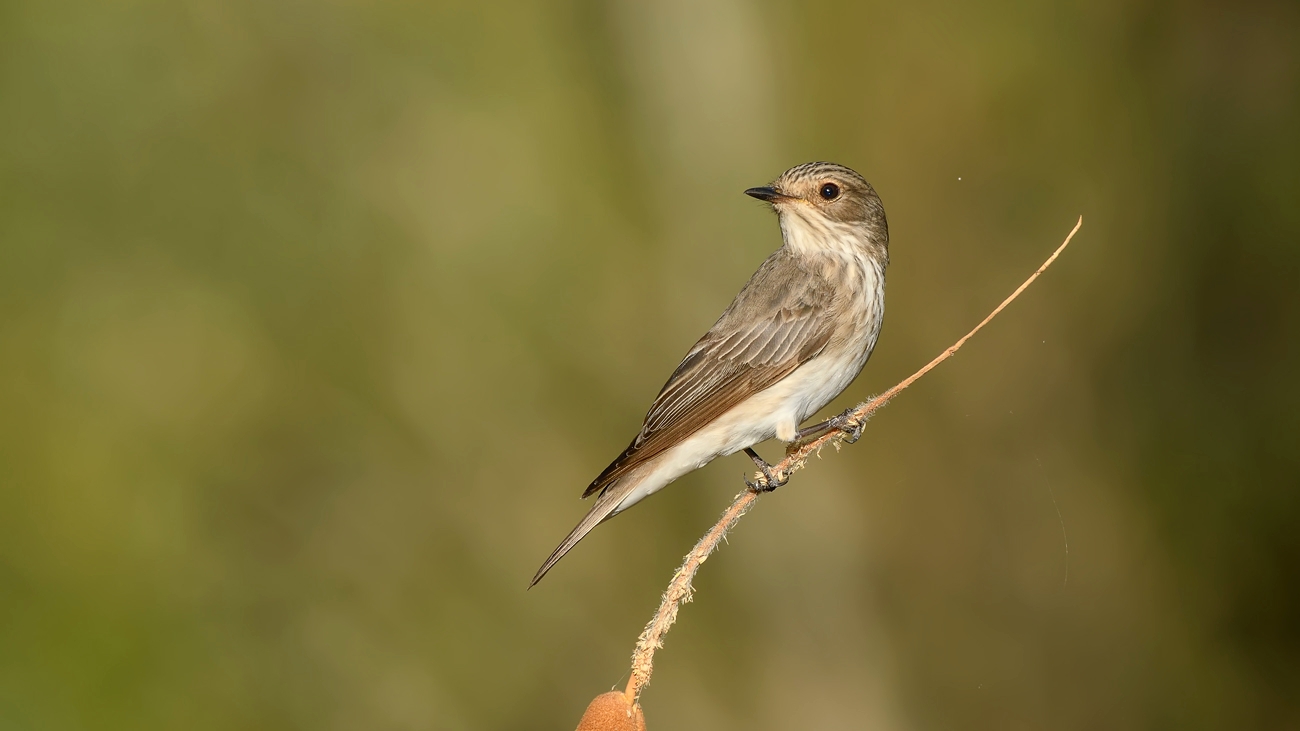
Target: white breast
pixel 817 382
pixel 779 410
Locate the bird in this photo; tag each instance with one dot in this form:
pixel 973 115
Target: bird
pixel 797 334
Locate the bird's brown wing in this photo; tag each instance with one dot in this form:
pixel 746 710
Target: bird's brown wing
pixel 777 323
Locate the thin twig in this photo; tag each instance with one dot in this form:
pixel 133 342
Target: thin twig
pixel 680 590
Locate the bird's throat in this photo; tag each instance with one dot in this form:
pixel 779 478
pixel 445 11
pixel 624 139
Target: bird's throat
pixel 811 234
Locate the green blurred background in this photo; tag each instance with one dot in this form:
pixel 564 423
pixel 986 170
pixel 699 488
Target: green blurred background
pixel 316 319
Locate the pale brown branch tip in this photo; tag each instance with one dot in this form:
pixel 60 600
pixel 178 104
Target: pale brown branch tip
pixel 616 711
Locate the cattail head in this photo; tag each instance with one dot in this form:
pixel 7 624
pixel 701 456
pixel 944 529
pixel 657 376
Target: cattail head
pixel 612 712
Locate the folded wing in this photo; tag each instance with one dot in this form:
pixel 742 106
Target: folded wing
pixel 778 322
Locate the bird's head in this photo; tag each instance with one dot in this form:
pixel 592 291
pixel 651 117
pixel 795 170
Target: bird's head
pixel 822 205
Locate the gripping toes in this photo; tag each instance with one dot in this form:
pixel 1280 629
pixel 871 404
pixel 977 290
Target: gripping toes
pixel 849 426
pixel 770 479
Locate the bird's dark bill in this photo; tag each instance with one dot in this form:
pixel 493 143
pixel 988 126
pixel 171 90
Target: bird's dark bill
pixel 771 195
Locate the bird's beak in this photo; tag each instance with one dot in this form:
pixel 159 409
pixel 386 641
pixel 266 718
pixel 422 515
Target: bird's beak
pixel 771 195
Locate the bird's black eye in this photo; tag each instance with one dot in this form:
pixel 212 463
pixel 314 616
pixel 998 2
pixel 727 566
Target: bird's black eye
pixel 830 191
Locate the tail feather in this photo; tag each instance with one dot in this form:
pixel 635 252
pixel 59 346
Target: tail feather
pixel 608 501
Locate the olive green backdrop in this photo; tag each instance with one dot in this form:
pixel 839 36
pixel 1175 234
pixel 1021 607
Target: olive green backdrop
pixel 316 319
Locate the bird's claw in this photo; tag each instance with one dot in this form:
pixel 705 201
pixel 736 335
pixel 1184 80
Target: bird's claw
pixel 769 480
pixel 849 426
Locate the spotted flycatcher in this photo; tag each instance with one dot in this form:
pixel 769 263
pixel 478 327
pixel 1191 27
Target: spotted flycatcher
pixel 792 340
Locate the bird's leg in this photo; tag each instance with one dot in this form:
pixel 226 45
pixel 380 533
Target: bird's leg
pixel 845 422
pixel 817 428
pixel 770 481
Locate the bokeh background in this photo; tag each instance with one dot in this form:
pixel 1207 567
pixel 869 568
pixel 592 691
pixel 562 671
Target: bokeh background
pixel 316 319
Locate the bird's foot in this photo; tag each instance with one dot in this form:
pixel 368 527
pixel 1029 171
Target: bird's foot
pixel 845 423
pixel 770 480
pixel 849 425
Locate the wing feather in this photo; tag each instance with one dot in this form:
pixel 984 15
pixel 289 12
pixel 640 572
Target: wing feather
pixel 776 324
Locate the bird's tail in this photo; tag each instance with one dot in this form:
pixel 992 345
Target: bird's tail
pixel 606 506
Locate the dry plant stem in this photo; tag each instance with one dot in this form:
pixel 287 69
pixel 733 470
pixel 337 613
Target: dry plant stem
pixel 679 589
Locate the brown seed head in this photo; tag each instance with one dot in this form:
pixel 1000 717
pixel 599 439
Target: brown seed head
pixel 612 712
